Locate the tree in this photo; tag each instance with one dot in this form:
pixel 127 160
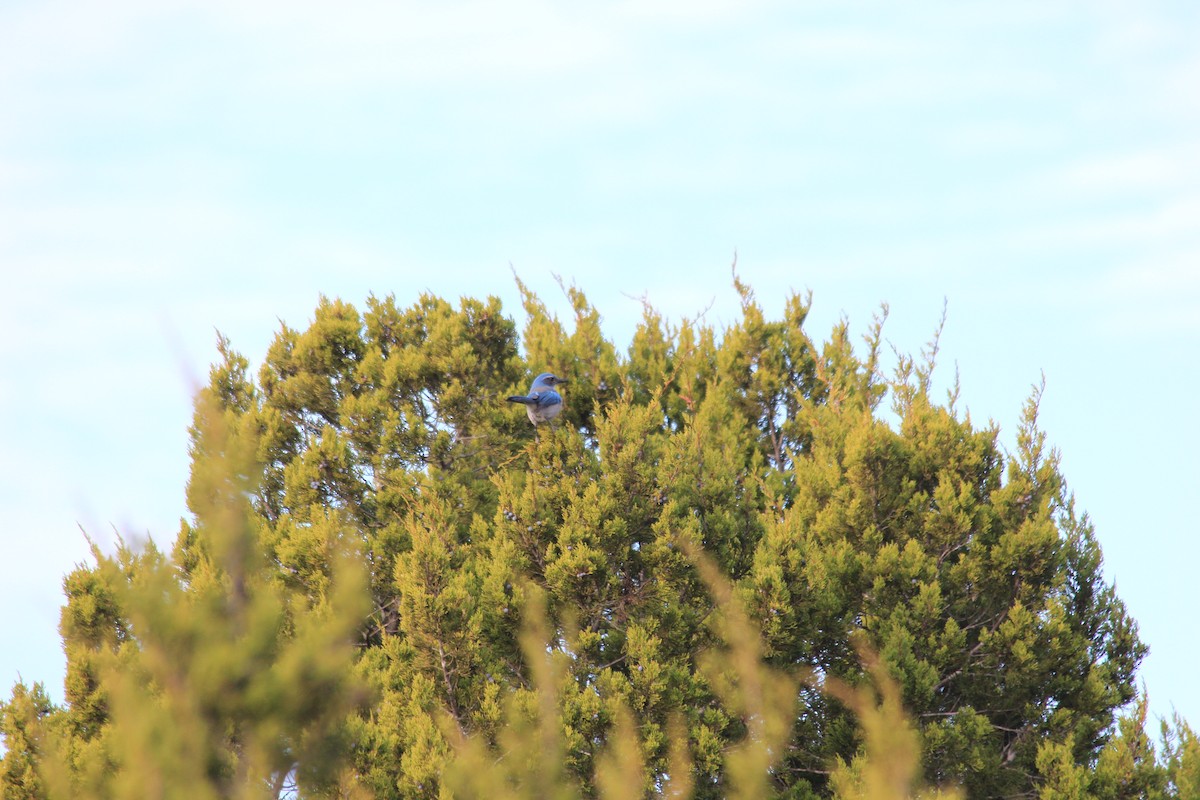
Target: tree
pixel 20 719
pixel 205 675
pixel 378 446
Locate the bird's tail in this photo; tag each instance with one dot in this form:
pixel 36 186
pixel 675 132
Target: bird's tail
pixel 524 400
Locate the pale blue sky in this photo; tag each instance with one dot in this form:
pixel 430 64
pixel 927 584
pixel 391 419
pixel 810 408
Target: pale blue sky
pixel 168 168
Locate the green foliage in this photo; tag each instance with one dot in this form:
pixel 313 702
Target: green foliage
pixel 218 681
pixel 1128 765
pixel 1182 756
pixel 21 718
pixel 390 587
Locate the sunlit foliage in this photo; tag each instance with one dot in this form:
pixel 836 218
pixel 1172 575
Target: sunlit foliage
pixel 389 587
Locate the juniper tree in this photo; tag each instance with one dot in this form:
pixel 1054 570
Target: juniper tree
pixel 378 444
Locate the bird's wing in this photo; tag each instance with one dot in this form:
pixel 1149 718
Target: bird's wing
pixel 548 398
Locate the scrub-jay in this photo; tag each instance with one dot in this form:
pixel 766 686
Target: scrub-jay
pixel 542 404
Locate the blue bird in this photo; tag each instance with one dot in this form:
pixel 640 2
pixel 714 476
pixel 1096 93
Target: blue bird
pixel 542 404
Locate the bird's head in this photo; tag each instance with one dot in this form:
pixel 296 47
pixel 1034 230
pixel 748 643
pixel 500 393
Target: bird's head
pixel 548 379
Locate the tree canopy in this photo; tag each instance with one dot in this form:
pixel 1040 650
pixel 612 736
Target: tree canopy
pixel 389 587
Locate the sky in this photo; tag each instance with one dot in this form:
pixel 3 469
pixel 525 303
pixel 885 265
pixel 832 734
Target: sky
pixel 170 169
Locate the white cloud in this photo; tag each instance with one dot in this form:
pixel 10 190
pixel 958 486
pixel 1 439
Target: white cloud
pixel 1000 136
pixel 1165 225
pixel 313 45
pixel 1171 167
pixel 188 161
pixel 1153 297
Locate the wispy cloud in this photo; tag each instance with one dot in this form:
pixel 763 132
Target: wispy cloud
pixel 220 163
pixel 1170 167
pixel 1155 297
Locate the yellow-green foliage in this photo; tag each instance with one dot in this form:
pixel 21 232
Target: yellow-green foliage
pixel 888 766
pixel 528 758
pixel 226 684
pixel 390 587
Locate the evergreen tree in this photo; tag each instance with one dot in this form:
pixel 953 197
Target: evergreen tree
pixel 21 716
pixel 373 529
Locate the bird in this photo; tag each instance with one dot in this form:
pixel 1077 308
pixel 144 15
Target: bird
pixel 543 403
